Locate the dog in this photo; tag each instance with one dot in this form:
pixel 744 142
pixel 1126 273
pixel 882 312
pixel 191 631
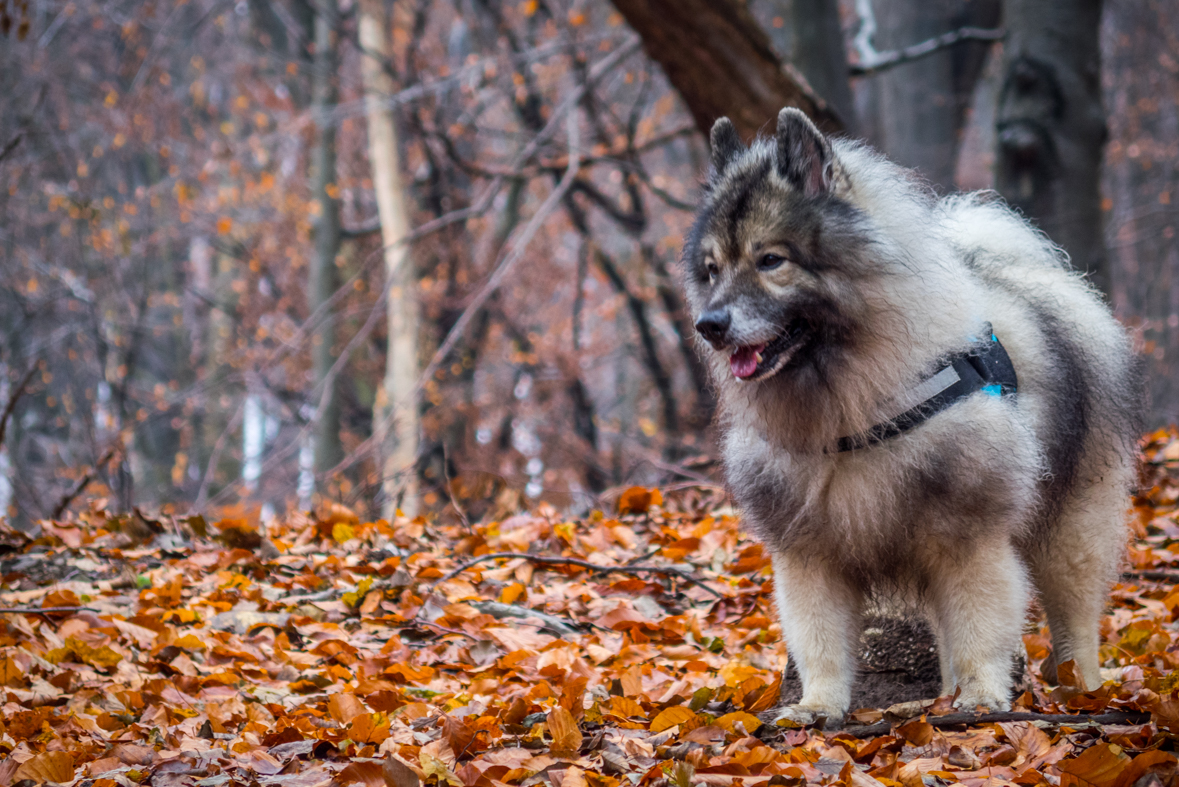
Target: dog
pixel 919 402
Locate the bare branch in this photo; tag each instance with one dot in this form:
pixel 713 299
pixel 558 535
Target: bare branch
pixel 80 487
pixel 12 400
pixel 873 61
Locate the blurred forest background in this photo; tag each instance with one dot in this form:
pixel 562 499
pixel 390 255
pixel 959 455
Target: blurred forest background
pixel 260 254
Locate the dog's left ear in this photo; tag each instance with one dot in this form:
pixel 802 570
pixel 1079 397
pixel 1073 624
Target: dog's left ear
pixel 805 158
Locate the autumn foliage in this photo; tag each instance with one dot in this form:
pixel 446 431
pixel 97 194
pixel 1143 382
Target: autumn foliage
pixel 329 650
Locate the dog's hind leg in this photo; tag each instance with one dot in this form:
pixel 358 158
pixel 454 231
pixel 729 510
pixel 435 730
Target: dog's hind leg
pixel 979 599
pixel 1073 569
pixel 820 617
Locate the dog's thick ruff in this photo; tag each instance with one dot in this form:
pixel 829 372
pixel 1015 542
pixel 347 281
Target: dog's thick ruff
pixel 834 282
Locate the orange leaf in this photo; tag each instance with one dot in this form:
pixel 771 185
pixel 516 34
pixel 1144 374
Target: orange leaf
pixel 730 721
pixel 637 500
pixel 626 707
pixel 1099 765
pixel 52 766
pixel 345 707
pixel 224 225
pixel 918 732
pixel 1144 763
pixel 563 728
pixel 677 715
pixel 768 698
pixel 513 593
pixel 10 673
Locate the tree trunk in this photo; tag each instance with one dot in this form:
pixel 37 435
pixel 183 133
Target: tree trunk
pixel 820 53
pixel 396 411
pixel 322 275
pixel 721 63
pixel 922 104
pixel 1051 124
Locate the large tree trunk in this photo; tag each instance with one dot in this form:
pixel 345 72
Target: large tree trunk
pixel 322 275
pixel 1140 74
pixel 721 63
pixel 1051 125
pixel 820 53
pixel 920 106
pixel 396 411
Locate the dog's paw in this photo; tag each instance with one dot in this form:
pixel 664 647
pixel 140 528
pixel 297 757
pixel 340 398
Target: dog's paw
pixel 990 699
pixel 807 716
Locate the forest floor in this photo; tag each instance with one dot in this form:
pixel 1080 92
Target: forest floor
pixel 635 647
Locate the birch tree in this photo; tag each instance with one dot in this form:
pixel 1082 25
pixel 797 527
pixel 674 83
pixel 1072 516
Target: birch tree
pixel 395 414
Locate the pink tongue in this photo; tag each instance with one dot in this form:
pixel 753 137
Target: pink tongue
pixel 743 362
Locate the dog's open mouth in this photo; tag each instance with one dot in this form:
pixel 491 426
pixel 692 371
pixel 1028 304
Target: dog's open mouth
pixel 758 361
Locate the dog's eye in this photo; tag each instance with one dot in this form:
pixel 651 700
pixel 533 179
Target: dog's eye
pixel 713 271
pixel 770 261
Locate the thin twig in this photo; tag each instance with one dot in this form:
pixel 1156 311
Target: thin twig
pixel 958 719
pixel 11 146
pixel 83 482
pixel 873 61
pixel 450 490
pixel 546 560
pixel 12 400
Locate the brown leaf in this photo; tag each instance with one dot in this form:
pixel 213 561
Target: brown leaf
pixel 1100 765
pixel 368 773
pixel 918 732
pixel 1068 675
pixel 345 707
pixel 398 773
pixel 51 766
pixel 563 729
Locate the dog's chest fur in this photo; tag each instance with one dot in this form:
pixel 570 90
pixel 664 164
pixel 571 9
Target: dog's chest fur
pixel 878 510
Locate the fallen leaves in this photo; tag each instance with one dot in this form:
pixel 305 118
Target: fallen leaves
pixel 378 653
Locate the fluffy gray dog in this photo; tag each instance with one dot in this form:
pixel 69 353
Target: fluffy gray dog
pixel 920 402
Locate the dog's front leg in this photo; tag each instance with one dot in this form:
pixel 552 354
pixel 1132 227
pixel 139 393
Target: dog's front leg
pixel 820 617
pixel 979 599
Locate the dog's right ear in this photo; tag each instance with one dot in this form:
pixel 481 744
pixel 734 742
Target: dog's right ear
pixel 726 146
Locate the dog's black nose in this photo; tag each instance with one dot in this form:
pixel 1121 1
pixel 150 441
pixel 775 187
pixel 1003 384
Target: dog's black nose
pixel 714 325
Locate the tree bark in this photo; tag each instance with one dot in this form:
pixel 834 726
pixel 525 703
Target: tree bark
pixel 396 411
pixel 921 105
pixel 820 53
pixel 322 274
pixel 721 63
pixel 1051 124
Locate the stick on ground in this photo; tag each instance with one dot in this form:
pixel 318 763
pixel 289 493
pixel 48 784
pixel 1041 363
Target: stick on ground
pixel 959 719
pixel 546 560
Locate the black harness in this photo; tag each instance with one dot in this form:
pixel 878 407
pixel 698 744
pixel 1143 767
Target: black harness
pixel 984 367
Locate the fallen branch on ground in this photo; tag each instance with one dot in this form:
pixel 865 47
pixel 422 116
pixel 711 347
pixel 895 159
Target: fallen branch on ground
pixel 1153 576
pixel 43 610
pixel 497 609
pixel 545 560
pixel 958 719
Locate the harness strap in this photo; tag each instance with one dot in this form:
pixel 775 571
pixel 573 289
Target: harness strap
pixel 984 367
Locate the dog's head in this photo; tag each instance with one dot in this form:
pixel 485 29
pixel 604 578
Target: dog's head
pixel 767 258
